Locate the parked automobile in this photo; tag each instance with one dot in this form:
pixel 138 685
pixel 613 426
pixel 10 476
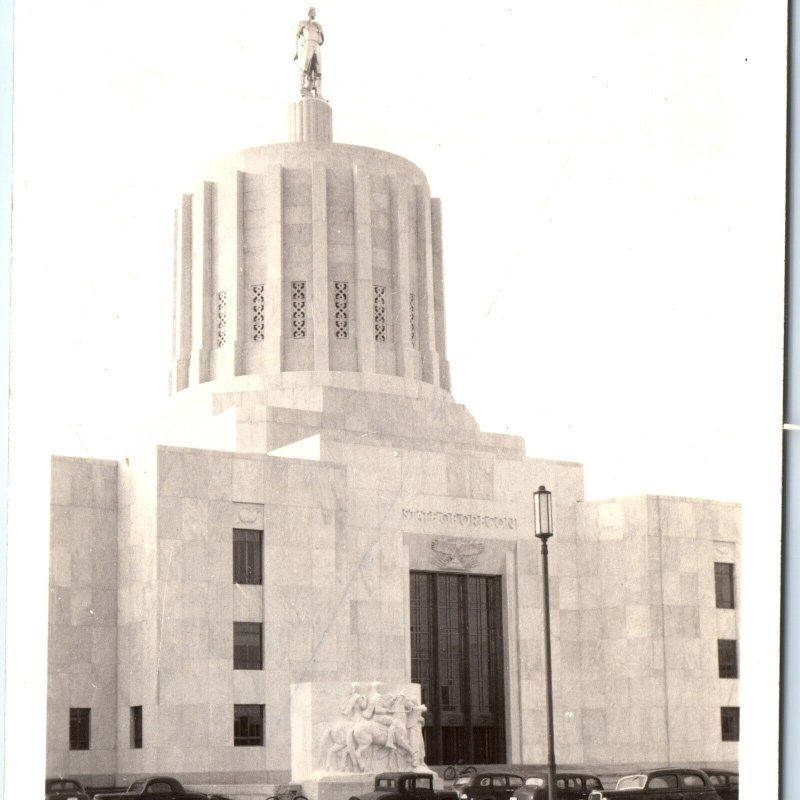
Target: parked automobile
pixel 157 788
pixel 487 786
pixel 665 784
pixel 406 786
pixel 64 789
pixel 569 786
pixel 725 781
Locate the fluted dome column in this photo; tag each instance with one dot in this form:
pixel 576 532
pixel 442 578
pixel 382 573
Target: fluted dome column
pixel 310 120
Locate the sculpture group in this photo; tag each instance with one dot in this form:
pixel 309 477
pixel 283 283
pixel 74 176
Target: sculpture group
pixel 380 732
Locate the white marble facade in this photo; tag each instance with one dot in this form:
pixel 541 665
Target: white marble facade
pixel 142 599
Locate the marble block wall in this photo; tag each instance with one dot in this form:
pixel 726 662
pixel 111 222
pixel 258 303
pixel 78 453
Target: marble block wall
pixel 649 625
pixel 82 629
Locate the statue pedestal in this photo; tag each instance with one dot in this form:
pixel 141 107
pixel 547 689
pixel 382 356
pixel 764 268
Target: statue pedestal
pixel 338 787
pixel 311 120
pixel 344 733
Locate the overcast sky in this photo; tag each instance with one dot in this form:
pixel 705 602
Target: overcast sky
pixel 611 174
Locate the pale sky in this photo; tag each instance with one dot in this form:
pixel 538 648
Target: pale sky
pixel 611 174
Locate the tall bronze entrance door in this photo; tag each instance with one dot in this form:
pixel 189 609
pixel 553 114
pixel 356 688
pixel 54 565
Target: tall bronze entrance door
pixel 457 657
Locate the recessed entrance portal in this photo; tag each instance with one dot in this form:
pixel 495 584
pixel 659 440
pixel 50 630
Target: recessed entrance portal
pixel 457 658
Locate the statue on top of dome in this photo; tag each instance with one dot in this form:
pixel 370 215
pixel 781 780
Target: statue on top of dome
pixel 310 32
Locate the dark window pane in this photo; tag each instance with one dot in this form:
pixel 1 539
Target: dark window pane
pixel 247 556
pixel 248 726
pixel 79 728
pixel 247 649
pixel 723 583
pixel 729 717
pixel 728 666
pixel 136 727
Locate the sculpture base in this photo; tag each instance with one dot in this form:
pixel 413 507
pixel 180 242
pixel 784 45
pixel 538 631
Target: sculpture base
pixel 310 120
pixel 338 787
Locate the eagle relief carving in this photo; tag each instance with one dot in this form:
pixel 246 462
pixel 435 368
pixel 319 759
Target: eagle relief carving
pixel 451 553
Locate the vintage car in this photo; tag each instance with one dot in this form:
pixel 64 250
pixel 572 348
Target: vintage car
pixel 64 789
pixel 569 786
pixel 487 785
pixel 725 781
pixel 157 788
pixel 406 786
pixel 672 783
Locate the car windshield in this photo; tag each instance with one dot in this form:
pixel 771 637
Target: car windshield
pixel 632 782
pixel 136 786
pixel 534 780
pixel 424 783
pixel 64 786
pixel 386 783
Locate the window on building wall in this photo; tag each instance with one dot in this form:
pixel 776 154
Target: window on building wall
pixel 247 556
pixel 723 581
pixel 136 727
pixel 247 647
pixel 728 665
pixel 79 728
pixel 248 726
pixel 729 719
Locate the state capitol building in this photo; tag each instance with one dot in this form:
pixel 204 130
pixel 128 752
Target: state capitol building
pixel 326 516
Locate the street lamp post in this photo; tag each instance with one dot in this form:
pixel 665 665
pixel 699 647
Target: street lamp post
pixel 543 523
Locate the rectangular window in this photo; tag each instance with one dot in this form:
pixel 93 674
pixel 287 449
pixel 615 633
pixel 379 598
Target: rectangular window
pixel 248 726
pixel 136 727
pixel 247 645
pixel 298 309
pixel 728 663
pixel 723 582
pixel 340 310
pixel 247 556
pixel 79 728
pixel 729 718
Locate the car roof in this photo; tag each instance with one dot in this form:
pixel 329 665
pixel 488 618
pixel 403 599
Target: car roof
pixel 402 774
pixel 543 774
pixel 500 772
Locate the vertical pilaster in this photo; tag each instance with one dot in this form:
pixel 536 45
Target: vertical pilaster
pixel 182 296
pixel 319 266
pixel 400 270
pixel 440 342
pixel 242 304
pixel 273 284
pixel 202 301
pixel 426 306
pixel 364 281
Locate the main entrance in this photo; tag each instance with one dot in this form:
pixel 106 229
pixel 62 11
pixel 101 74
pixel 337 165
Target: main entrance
pixel 457 658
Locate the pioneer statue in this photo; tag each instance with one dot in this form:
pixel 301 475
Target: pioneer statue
pixel 309 32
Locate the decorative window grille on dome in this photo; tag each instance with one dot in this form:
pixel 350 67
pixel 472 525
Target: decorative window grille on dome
pixel 298 309
pixel 340 311
pixel 380 313
pixel 222 318
pixel 258 312
pixel 412 318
